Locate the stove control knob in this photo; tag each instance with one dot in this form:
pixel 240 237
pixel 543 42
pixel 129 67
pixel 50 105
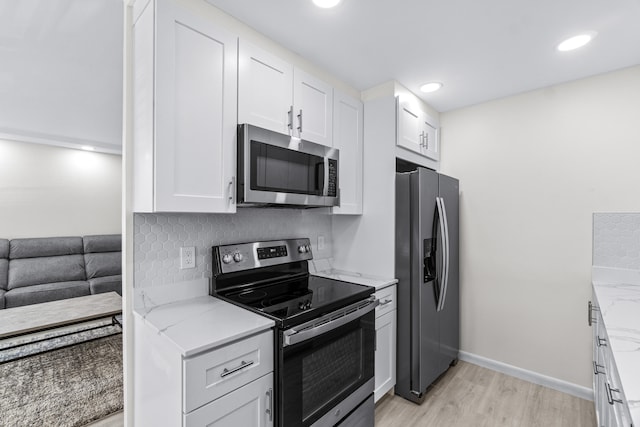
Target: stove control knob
pixel 237 257
pixel 301 305
pixel 308 248
pixel 227 258
pixel 302 249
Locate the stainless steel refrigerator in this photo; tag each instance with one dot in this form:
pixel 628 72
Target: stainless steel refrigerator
pixel 428 313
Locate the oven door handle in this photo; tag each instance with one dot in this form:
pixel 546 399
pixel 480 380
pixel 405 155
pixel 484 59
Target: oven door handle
pixel 293 336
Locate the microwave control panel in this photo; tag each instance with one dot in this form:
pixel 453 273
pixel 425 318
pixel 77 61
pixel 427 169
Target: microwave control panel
pixel 333 177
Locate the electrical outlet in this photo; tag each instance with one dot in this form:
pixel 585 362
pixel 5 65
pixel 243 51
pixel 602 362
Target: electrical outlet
pixel 320 243
pixel 187 257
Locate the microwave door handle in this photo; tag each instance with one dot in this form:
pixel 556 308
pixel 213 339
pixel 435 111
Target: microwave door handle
pixel 325 177
pixel 321 178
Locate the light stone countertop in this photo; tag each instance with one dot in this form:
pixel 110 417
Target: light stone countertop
pixel 202 323
pixel 323 268
pixel 618 295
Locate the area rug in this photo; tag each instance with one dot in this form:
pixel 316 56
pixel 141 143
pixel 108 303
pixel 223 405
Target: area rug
pixel 71 386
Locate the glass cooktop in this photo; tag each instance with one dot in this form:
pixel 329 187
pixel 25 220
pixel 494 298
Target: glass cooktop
pixel 296 300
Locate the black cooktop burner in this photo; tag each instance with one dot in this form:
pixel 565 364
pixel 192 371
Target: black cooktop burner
pixel 298 300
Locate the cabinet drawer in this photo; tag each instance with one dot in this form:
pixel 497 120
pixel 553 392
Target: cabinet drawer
pixel 211 375
pixel 387 298
pixel 250 405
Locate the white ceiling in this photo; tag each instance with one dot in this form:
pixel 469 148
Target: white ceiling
pixel 480 50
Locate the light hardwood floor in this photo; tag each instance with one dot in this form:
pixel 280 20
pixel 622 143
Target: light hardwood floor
pixel 469 395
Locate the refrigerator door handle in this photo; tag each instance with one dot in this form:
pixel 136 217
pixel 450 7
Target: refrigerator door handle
pixel 444 232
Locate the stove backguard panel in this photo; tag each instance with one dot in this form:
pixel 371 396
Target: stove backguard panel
pixel 158 238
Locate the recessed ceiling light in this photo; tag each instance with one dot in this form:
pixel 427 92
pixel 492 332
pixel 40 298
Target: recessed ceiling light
pixel 576 41
pixel 87 148
pixel 326 4
pixel 430 87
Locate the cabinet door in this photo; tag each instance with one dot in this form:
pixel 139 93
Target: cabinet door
pixel 410 126
pixel 250 405
pixel 265 89
pixel 195 105
pixel 313 105
pixel 430 134
pixel 347 138
pixel 385 373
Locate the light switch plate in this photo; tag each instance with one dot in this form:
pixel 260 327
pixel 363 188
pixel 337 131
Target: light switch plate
pixel 187 257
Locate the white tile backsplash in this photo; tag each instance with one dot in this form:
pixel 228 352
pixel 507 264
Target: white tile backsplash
pixel 158 238
pixel 616 240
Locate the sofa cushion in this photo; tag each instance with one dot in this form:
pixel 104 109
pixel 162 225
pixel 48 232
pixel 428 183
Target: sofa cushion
pixel 2 303
pixel 102 243
pixel 45 292
pixel 100 285
pixel 45 247
pixel 4 263
pixel 103 264
pixel 35 271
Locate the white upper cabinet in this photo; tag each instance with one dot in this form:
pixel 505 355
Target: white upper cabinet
pixel 348 139
pixel 313 105
pixel 275 95
pixel 265 91
pixel 409 125
pixel 417 131
pixel 185 120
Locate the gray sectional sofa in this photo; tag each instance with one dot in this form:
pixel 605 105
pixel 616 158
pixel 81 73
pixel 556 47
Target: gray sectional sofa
pixel 45 269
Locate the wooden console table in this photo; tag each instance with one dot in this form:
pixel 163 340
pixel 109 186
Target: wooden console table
pixel 37 317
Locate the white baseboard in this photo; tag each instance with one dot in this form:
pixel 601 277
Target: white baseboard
pixel 523 374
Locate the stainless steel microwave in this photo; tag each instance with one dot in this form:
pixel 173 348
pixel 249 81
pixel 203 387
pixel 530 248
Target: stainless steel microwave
pixel 279 169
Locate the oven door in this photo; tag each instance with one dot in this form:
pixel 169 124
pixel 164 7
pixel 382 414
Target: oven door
pixel 327 368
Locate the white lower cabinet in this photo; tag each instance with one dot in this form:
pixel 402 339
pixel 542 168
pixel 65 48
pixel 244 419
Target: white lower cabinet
pixel 385 365
pixel 612 408
pixel 230 385
pixel 250 405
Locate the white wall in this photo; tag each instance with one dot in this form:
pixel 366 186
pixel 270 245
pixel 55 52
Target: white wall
pixel 533 168
pixel 51 191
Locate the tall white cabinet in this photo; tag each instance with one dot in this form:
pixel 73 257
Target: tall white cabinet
pixel 185 84
pixel 348 139
pixel 275 95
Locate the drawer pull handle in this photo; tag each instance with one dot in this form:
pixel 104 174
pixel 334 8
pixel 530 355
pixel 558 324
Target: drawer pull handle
pixel 602 342
pixel 596 369
pixel 385 302
pixel 610 398
pixel 243 365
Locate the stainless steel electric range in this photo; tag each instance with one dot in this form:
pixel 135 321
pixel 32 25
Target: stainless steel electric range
pixel 325 330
